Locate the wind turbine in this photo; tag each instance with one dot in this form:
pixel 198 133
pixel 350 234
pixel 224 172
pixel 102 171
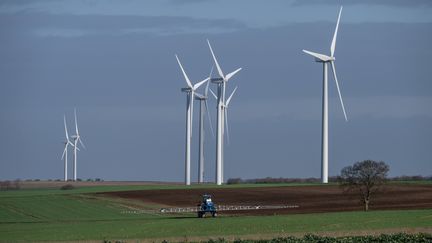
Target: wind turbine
pixel 203 105
pixel 65 151
pixel 76 138
pixel 324 59
pixel 190 91
pixel 221 84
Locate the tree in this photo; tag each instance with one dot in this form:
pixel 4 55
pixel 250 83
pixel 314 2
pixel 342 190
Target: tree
pixel 366 177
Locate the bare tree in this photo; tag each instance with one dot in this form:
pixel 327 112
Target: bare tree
pixel 366 177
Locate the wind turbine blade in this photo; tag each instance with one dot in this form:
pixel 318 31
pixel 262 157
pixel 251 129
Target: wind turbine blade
pixel 226 123
pixel 209 117
pixel 216 62
pixel 333 44
pixel 184 73
pixel 82 144
pixel 76 124
pixel 64 152
pixel 197 85
pixel 70 143
pixel 229 75
pixel 208 83
pixel 229 98
pixel 67 135
pixel 214 95
pixel 317 55
pixel 337 86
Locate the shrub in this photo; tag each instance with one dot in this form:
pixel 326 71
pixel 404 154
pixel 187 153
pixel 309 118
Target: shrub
pixel 234 181
pixel 67 187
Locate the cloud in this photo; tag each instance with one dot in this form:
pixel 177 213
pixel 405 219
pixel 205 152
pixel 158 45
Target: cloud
pixel 68 25
pixel 187 2
pixel 395 3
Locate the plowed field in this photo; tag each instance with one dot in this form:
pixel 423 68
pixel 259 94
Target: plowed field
pixel 310 199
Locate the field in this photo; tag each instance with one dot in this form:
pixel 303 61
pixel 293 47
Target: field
pixel 104 212
pixel 310 199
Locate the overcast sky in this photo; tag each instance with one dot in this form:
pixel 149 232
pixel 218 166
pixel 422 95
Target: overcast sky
pixel 114 61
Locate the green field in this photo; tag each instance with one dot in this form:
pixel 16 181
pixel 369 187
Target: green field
pixel 52 214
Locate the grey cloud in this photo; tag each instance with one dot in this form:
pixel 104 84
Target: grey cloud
pixel 68 25
pixel 395 3
pixel 186 2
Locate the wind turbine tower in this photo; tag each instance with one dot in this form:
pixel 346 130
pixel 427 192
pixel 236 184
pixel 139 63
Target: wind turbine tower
pixel 221 85
pixel 203 106
pixel 325 60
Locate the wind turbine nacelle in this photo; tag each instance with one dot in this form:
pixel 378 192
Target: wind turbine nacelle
pixel 329 59
pixel 217 80
pixel 74 136
pixel 186 89
pixel 200 98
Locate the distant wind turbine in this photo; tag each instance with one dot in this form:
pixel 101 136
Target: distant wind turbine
pixel 76 138
pixel 65 151
pixel 203 105
pixel 190 91
pixel 324 59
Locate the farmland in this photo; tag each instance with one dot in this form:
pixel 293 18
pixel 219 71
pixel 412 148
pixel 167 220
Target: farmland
pixel 100 212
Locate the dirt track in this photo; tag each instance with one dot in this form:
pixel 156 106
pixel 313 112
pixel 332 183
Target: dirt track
pixel 309 198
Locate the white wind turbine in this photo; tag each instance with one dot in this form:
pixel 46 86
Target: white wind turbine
pixel 190 91
pixel 324 59
pixel 65 151
pixel 76 138
pixel 221 83
pixel 203 105
pixel 225 105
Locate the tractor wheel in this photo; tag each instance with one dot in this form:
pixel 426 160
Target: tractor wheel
pixel 214 214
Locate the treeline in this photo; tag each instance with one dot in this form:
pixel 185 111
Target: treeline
pixel 411 178
pixel 7 185
pixel 10 185
pixel 271 180
pixel 59 180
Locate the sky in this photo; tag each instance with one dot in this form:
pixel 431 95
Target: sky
pixel 114 61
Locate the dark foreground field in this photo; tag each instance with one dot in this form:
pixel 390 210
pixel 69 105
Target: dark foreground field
pixel 128 212
pixel 310 199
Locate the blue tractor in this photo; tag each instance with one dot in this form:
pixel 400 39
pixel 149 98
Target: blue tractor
pixel 206 206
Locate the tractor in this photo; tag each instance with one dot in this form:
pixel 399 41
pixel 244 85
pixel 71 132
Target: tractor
pixel 206 206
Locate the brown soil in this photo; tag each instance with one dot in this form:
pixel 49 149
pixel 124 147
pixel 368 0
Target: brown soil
pixel 310 199
pixel 58 184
